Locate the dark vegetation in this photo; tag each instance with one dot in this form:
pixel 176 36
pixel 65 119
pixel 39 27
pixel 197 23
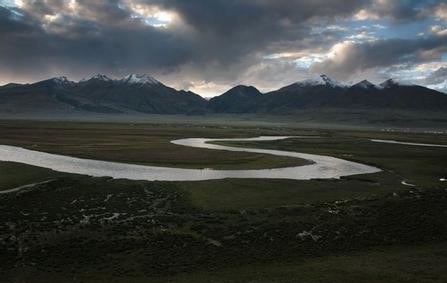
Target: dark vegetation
pixel 100 228
pixel 15 175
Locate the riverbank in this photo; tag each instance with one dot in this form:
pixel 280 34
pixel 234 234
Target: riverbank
pixel 320 167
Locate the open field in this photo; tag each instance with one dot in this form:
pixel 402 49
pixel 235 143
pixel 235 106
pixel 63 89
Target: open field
pixel 400 160
pixel 137 143
pixel 15 175
pixel 149 144
pixel 364 228
pixel 325 118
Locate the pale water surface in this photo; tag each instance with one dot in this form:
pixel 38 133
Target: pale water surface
pixel 410 143
pixel 322 167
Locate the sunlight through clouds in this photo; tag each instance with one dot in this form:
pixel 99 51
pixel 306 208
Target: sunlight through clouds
pixel 152 15
pixel 348 39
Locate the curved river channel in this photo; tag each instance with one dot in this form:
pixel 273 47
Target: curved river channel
pixel 322 167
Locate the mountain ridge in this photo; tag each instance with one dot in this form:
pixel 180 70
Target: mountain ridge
pixel 100 94
pixel 145 94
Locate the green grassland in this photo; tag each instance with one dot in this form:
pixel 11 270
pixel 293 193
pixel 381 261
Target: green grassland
pixel 363 228
pixel 15 175
pixel 137 143
pixel 150 144
pixel 422 166
pixel 246 194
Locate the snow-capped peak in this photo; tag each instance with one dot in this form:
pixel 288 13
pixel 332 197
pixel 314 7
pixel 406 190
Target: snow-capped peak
pixel 321 80
pixel 62 80
pixel 101 77
pixel 139 79
pixel 330 81
pixel 365 84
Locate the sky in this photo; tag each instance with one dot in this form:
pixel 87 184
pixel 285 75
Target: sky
pixel 209 46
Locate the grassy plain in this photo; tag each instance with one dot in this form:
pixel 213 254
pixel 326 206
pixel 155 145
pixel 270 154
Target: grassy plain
pixel 364 228
pixel 150 144
pixel 15 175
pixel 137 143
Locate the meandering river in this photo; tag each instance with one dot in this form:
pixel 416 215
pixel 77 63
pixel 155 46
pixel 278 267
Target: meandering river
pixel 409 143
pixel 322 167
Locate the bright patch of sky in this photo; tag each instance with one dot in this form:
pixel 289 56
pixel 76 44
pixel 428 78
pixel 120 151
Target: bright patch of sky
pixel 412 74
pixel 381 28
pixel 152 15
pixel 8 3
pixel 442 86
pixel 160 19
pixel 11 5
pixel 307 61
pixel 207 88
pixel 407 30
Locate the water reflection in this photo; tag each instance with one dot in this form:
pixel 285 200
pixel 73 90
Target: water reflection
pixel 322 167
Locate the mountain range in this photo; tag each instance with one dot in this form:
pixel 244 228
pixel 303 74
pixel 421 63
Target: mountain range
pixel 144 94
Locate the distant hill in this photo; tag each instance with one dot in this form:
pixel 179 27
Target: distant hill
pixel 144 94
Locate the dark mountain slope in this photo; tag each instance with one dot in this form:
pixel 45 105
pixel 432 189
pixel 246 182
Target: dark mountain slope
pixel 102 95
pixel 326 93
pixel 320 92
pixel 240 99
pixel 37 97
pixel 144 94
pixel 138 93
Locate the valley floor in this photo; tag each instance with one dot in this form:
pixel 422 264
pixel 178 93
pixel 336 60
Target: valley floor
pixel 368 228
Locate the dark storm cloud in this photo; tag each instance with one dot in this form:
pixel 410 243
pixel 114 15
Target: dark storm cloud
pixel 437 77
pixel 400 10
pixel 77 44
pixel 350 58
pixel 219 40
pixel 105 36
pixel 13 22
pixel 228 31
pixel 228 17
pixel 101 10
